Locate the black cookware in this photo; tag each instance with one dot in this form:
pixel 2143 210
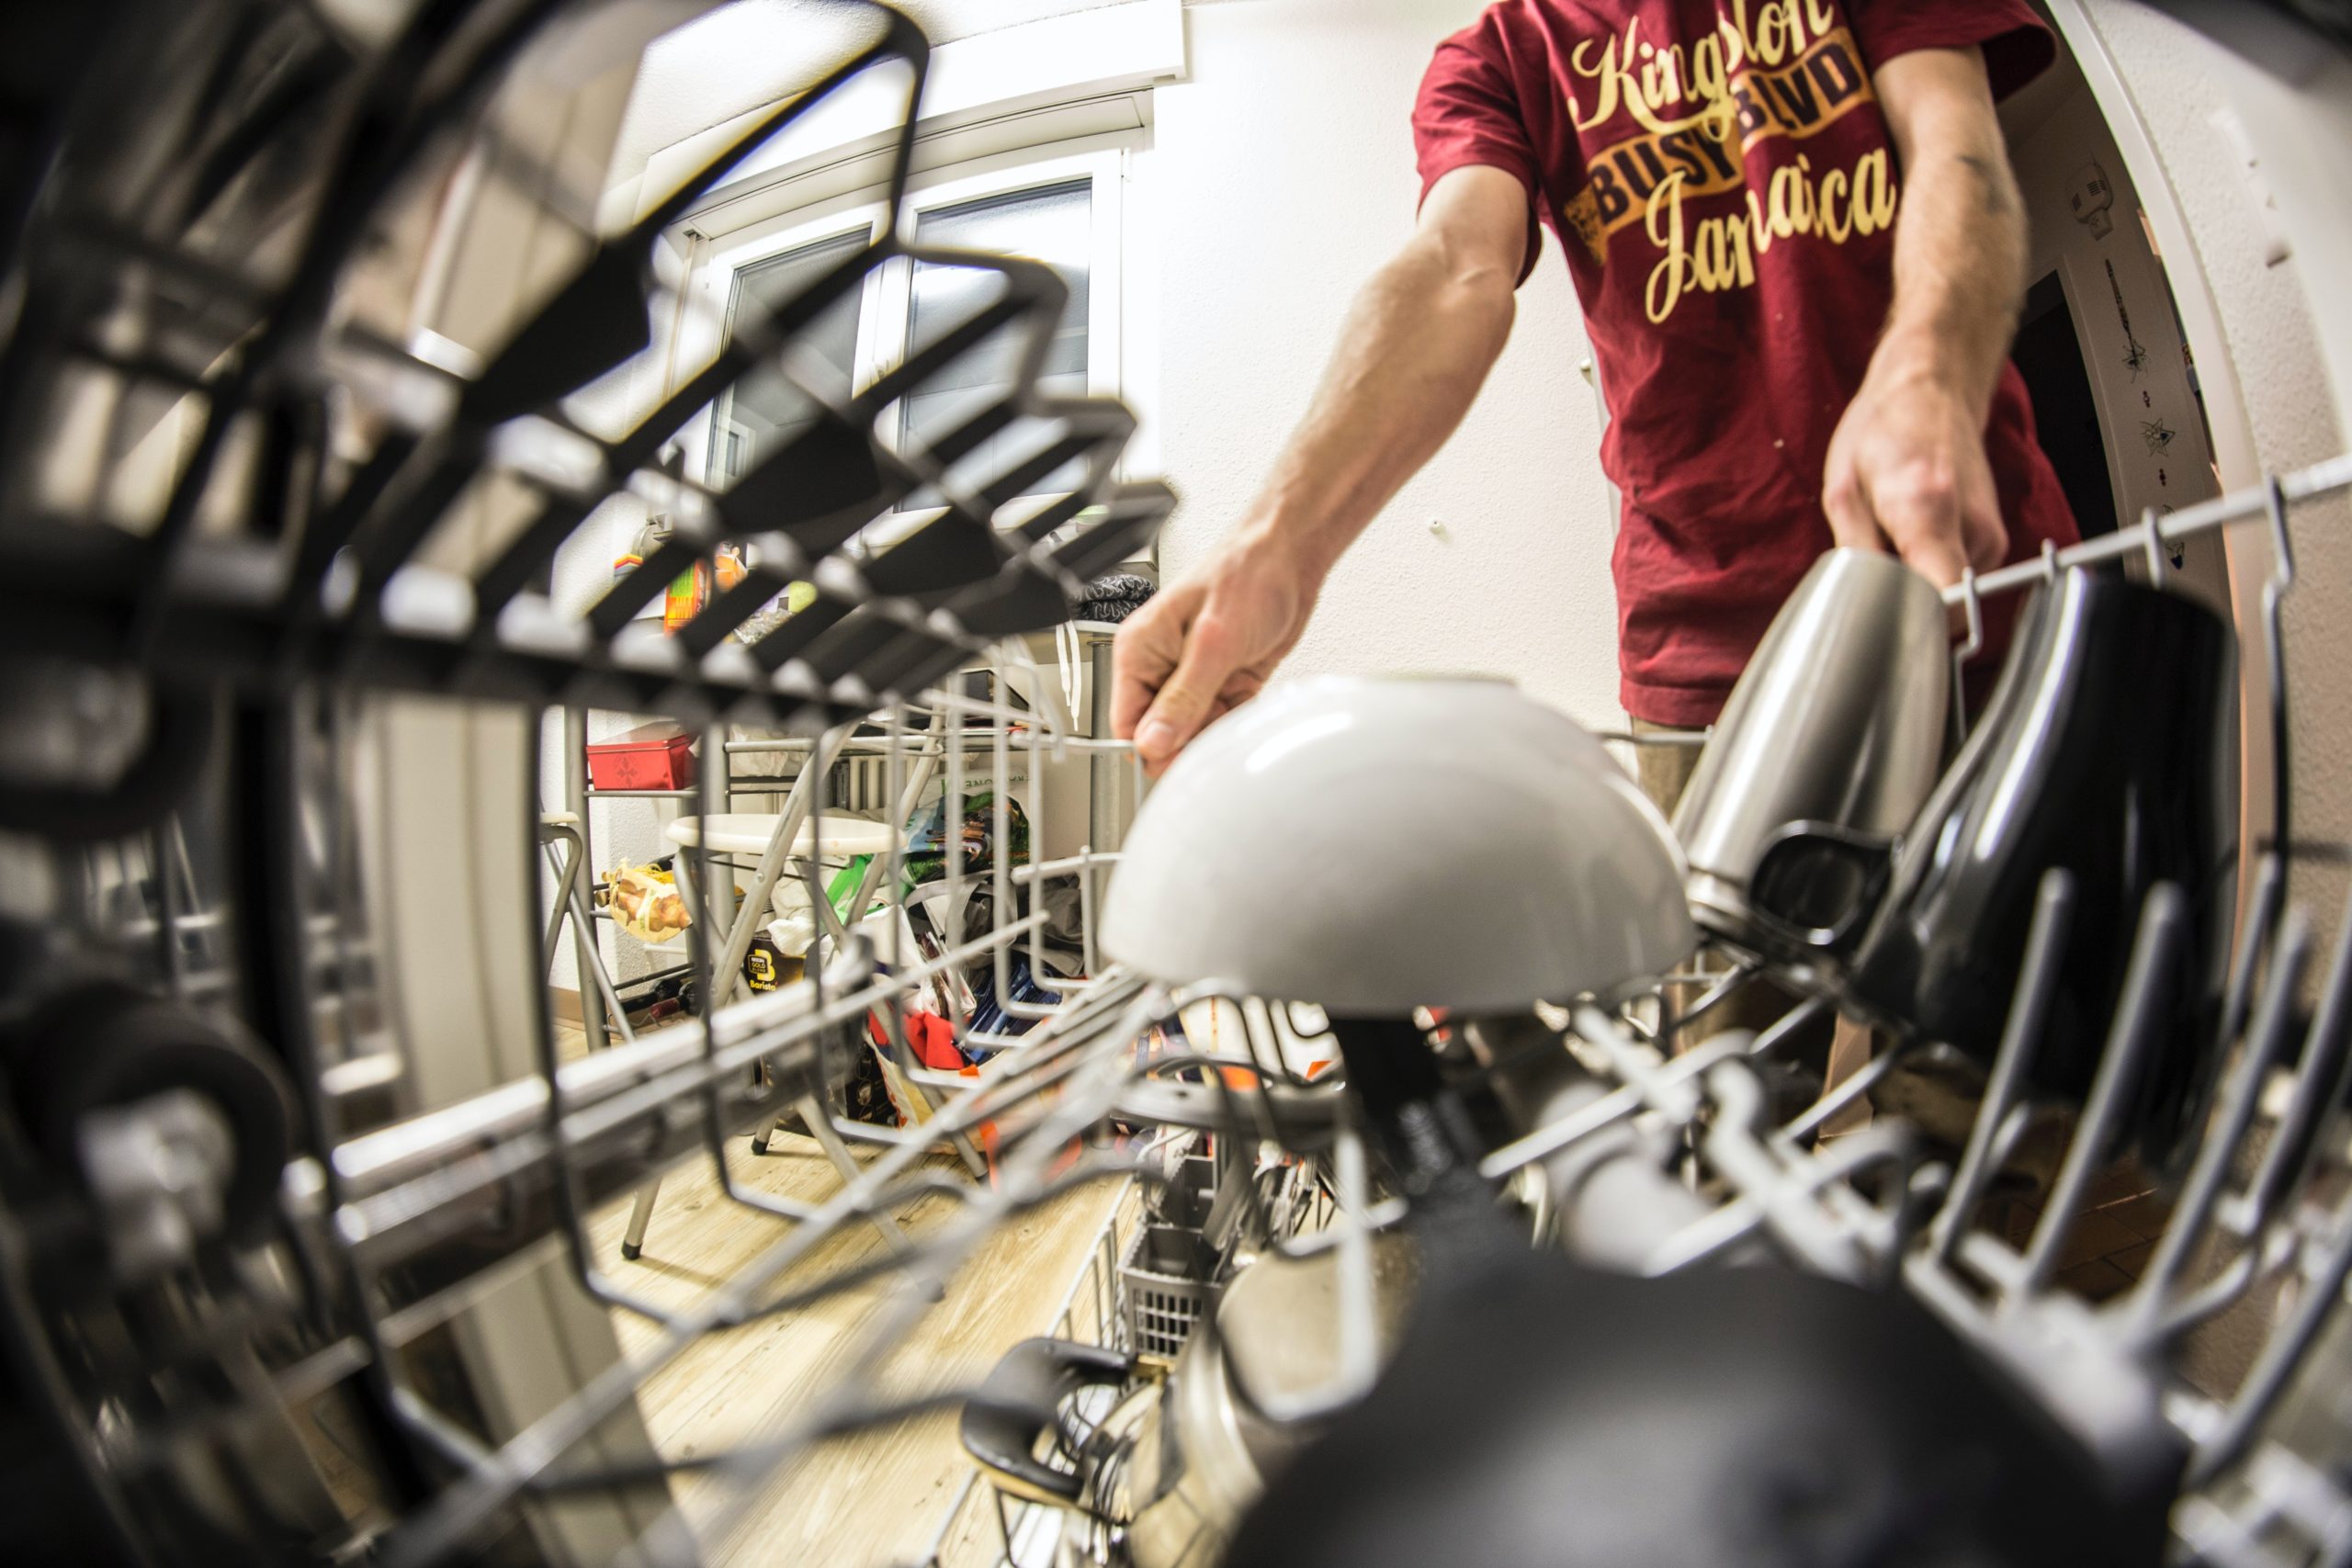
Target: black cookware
pixel 2106 750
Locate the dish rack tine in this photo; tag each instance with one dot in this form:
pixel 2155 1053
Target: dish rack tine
pixel 809 1101
pixel 2325 1275
pixel 1873 1074
pixel 905 787
pixel 1789 1025
pixel 1743 970
pixel 2152 542
pixel 2274 595
pixel 2265 906
pixel 2321 1078
pixel 2164 928
pixel 2021 1037
pixel 1972 605
pixel 1357 1351
pixel 801 802
pixel 1001 902
pixel 2143 1314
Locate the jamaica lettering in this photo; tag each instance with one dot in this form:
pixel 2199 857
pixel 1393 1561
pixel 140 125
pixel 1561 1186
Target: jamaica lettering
pixel 1717 253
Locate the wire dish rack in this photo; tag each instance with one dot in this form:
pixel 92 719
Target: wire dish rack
pixel 310 1247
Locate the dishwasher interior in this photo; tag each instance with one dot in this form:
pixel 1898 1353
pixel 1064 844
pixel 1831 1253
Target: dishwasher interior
pixel 1434 1224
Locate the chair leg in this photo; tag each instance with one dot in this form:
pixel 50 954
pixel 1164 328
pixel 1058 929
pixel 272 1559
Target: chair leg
pixel 584 922
pixel 759 1144
pixel 633 1239
pixel 567 880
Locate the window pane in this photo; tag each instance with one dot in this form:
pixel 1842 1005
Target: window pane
pixel 1054 225
pixel 763 410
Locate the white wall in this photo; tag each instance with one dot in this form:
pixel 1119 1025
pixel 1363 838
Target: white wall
pixel 1283 169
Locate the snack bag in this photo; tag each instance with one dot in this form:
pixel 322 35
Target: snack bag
pixel 645 903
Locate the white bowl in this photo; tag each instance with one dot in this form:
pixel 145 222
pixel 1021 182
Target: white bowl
pixel 1379 845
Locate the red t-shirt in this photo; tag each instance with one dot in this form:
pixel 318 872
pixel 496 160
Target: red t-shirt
pixel 1725 186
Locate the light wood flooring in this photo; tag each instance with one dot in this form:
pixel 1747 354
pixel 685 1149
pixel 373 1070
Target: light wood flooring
pixel 877 1497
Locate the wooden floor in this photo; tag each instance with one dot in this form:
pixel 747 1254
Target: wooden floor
pixel 874 1498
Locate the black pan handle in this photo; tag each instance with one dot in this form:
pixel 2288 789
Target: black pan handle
pixel 1818 884
pixel 1020 1403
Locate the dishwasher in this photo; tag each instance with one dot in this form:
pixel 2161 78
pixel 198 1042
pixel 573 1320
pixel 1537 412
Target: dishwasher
pixel 1437 1224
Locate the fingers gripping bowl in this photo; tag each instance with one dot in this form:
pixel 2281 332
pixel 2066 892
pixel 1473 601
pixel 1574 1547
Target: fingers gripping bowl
pixel 1377 845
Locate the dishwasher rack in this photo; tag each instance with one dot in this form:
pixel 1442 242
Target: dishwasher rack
pixel 316 1274
pixel 319 1280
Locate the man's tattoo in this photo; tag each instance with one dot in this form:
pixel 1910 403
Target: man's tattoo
pixel 1998 202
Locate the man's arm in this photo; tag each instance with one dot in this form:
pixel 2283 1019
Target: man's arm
pixel 1907 466
pixel 1416 346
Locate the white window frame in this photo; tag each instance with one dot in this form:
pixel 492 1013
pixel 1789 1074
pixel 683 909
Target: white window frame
pixel 716 261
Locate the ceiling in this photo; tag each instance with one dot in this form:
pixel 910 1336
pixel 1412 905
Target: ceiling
pixel 741 56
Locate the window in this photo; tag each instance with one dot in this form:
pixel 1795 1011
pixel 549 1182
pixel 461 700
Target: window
pixel 1052 225
pixel 766 409
pixel 1062 211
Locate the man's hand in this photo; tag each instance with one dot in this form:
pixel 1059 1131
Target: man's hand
pixel 1908 469
pixel 1206 644
pixel 1419 341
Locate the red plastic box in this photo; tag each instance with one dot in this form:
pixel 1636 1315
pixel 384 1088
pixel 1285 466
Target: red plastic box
pixel 652 756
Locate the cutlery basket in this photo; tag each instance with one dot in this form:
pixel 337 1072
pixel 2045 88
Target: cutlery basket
pixel 1167 1278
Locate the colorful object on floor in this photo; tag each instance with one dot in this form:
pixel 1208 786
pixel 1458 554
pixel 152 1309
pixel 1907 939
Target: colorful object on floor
pixel 989 1016
pixel 768 967
pixel 931 1037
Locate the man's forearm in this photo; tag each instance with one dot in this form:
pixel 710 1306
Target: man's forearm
pixel 1907 466
pixel 1415 347
pixel 1960 254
